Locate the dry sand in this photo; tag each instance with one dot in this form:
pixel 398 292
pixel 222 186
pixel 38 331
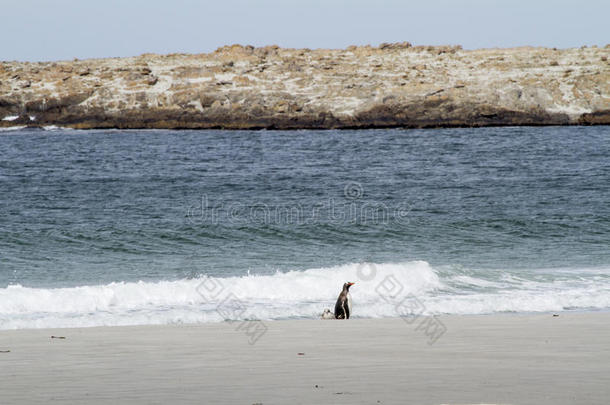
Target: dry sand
pixel 499 359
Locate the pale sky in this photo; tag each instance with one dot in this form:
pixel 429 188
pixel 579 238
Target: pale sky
pixel 64 29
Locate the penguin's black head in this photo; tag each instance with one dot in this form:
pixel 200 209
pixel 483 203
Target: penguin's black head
pixel 347 285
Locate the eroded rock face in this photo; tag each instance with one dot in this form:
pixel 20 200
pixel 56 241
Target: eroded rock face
pixel 270 87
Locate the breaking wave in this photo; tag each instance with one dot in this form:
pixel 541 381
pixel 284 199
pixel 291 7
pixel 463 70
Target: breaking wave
pixel 380 290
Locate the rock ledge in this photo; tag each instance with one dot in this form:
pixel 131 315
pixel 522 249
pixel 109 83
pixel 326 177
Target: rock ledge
pixel 242 87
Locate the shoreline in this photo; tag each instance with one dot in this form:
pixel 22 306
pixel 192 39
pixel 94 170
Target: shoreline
pixel 59 128
pixel 498 358
pixel 405 318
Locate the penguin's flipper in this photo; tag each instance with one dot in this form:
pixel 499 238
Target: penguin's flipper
pixel 340 308
pixel 346 309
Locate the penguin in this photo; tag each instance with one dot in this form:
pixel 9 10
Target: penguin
pixel 327 314
pixel 343 307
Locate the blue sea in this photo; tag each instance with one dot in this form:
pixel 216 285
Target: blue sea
pixel 133 227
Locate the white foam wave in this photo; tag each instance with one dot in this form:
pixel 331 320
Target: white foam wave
pixel 378 290
pixel 48 128
pixel 13 128
pixel 56 128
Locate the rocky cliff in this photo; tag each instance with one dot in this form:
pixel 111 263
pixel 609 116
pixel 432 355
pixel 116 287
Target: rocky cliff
pixel 358 87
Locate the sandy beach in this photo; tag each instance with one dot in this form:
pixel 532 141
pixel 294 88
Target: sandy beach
pixel 186 186
pixel 495 359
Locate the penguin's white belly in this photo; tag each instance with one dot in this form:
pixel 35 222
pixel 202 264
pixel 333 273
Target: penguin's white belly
pixel 349 303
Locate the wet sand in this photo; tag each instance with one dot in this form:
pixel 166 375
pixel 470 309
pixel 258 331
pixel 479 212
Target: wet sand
pixel 495 359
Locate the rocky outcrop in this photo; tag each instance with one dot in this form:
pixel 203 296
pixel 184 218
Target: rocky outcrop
pixel 358 87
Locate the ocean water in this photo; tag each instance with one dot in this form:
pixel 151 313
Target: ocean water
pixel 148 227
